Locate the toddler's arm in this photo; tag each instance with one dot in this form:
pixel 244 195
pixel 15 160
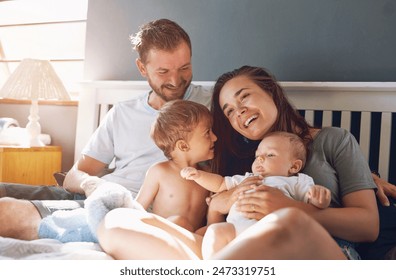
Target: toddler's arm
pixel 319 196
pixel 150 186
pixel 210 181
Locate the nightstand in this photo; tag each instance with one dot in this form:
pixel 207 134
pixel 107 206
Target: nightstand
pixel 33 166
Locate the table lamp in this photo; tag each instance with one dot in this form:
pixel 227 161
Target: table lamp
pixel 34 80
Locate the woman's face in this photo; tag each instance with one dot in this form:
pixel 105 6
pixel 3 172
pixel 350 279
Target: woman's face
pixel 249 109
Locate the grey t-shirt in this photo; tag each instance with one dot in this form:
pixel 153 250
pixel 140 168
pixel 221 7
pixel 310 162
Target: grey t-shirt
pixel 336 161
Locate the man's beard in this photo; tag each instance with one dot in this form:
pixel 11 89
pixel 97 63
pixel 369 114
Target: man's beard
pixel 175 95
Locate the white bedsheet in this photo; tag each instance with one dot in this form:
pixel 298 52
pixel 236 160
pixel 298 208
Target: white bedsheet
pixel 49 249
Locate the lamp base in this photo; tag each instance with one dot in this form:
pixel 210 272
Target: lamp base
pixel 33 127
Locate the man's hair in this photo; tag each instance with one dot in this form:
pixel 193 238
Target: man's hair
pixel 175 121
pixel 161 34
pixel 297 145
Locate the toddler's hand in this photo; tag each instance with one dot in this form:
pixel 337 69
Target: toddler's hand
pixel 189 173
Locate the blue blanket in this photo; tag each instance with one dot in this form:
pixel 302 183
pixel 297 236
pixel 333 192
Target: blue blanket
pixel 81 224
pixel 67 226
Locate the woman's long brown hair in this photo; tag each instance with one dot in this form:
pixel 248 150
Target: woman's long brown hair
pixel 234 153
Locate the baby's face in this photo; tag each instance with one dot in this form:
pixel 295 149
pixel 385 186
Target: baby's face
pixel 273 157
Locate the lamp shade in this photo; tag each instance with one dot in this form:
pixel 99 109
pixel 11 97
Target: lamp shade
pixel 34 79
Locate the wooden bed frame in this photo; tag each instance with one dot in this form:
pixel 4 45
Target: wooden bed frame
pixel 367 109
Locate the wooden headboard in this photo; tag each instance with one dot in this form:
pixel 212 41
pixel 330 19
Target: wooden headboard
pixel 367 109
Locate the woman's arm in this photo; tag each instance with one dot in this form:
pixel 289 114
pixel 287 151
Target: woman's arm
pixel 357 221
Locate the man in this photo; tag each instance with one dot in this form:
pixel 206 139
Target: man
pixel 164 50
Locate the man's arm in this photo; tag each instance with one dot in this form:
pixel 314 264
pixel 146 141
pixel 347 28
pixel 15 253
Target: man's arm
pixel 86 166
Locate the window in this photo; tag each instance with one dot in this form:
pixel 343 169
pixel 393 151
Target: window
pixel 44 29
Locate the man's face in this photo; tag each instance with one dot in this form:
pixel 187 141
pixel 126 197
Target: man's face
pixel 168 73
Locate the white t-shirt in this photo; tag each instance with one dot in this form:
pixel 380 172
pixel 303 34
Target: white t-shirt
pixel 124 135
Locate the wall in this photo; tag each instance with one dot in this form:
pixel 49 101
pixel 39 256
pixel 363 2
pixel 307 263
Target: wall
pixel 305 40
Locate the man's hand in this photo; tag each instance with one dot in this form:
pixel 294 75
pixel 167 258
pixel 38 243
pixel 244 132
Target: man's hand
pixel 384 189
pixel 80 182
pixel 73 180
pixel 81 170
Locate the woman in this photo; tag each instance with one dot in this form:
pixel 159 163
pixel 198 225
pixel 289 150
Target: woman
pixel 247 104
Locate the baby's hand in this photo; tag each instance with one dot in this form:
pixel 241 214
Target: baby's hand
pixel 319 196
pixel 189 173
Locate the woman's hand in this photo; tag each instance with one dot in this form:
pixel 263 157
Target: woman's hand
pixel 262 201
pixel 384 189
pixel 222 202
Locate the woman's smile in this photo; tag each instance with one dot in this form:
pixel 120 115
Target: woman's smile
pixel 250 120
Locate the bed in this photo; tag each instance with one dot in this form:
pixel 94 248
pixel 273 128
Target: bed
pixel 367 109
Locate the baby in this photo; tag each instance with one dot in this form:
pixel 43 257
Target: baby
pixel 279 158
